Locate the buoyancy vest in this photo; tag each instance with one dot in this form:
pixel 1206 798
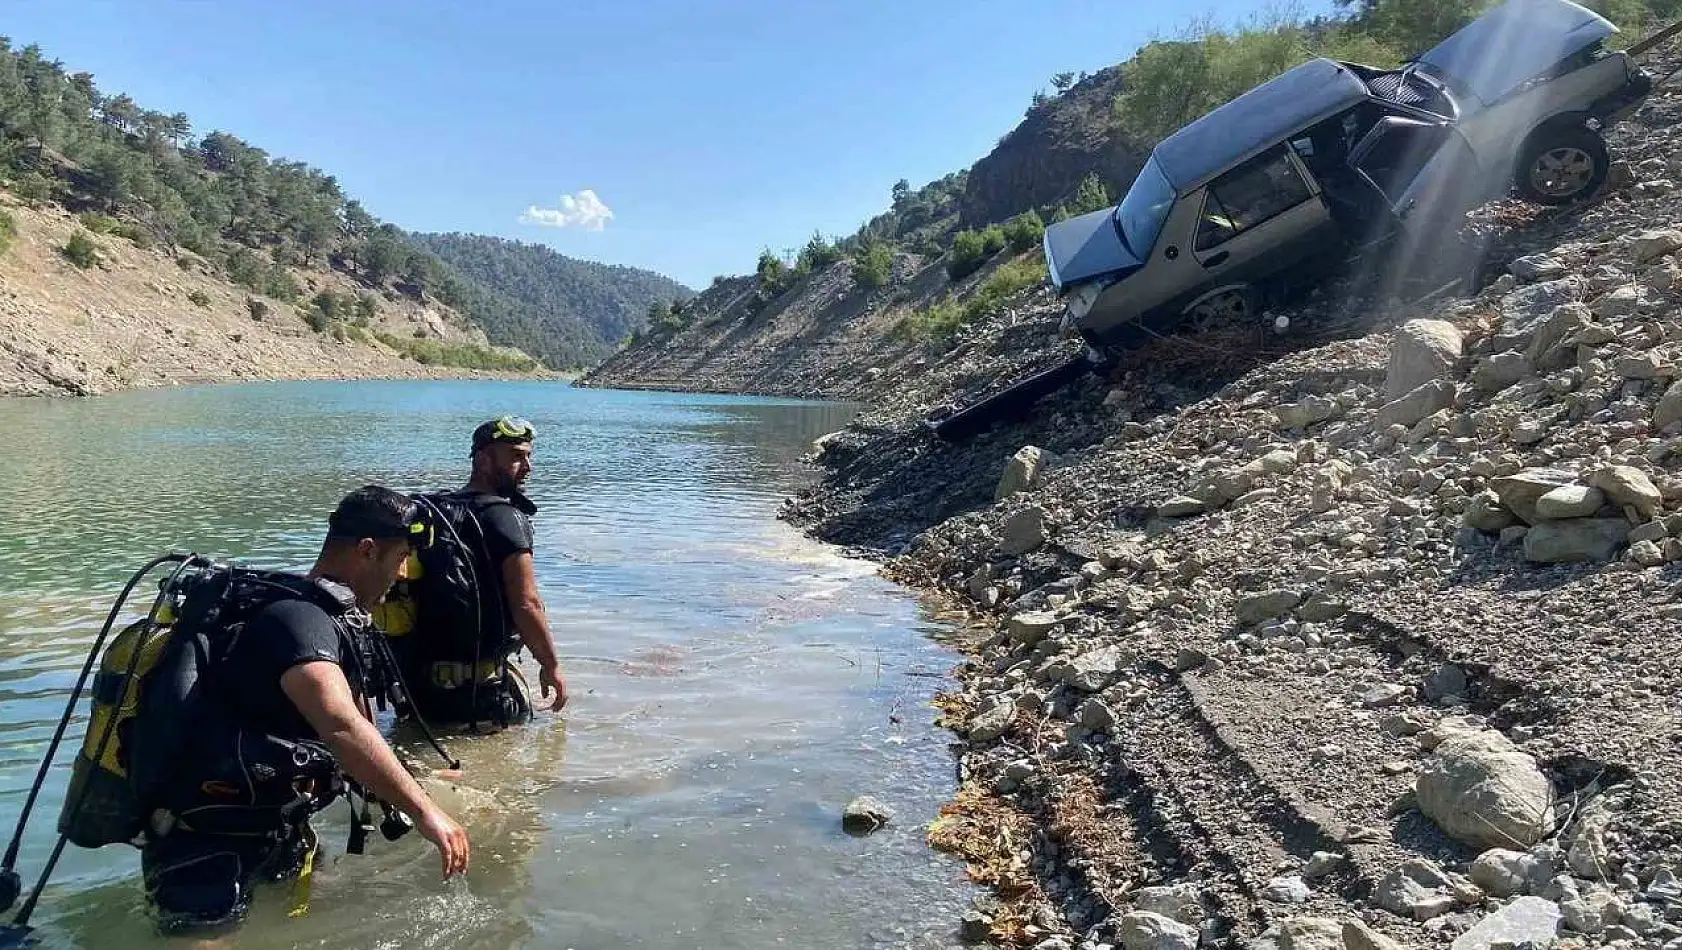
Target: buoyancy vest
pixel 177 756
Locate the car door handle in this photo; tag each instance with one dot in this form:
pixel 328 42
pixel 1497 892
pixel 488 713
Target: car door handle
pixel 1217 259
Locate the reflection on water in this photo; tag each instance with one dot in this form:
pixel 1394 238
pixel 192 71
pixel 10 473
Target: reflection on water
pixel 733 683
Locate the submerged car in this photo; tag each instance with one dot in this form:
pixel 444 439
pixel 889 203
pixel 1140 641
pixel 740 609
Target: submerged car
pixel 1331 157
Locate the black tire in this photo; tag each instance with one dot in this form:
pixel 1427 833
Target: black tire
pixel 1235 307
pixel 1561 164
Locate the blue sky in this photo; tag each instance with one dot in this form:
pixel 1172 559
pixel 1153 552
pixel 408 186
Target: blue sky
pixel 710 130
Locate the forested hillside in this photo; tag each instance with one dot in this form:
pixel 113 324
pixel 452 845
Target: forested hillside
pixel 259 220
pixel 564 311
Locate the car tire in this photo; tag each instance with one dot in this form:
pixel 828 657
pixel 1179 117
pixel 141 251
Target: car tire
pixel 1234 307
pixel 1561 164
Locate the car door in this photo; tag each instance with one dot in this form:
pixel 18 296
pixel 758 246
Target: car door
pixel 1258 219
pixel 1426 173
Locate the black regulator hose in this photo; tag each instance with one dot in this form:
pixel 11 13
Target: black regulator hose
pixel 387 659
pixel 11 885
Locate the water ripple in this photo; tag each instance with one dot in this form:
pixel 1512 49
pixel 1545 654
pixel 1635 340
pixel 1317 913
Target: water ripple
pixel 732 681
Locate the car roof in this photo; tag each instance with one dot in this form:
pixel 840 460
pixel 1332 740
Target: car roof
pixel 1319 88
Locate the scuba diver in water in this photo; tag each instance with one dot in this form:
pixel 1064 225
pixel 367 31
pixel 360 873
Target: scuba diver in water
pixel 233 712
pixel 295 676
pixel 470 601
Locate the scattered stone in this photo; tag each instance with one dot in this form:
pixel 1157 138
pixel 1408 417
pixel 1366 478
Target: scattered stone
pixel 1286 890
pixel 1255 608
pixel 1031 626
pixel 1096 716
pixel 1528 921
pixel 1570 501
pixel 1024 531
pixel 1181 506
pixel 1322 864
pixel 1423 351
pixel 1519 493
pixel 1358 936
pixel 1583 539
pixel 991 724
pixel 1629 486
pixel 1385 694
pixel 1479 788
pixel 1447 680
pixel 1418 889
pixel 1536 267
pixel 865 814
pixel 1179 902
pixel 1501 873
pixel 975 927
pixel 1649 246
pixel 1142 930
pixel 1022 471
pixel 1409 409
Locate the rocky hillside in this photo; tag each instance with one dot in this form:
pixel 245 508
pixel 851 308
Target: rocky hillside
pixel 142 317
pixel 1352 640
pixel 1044 160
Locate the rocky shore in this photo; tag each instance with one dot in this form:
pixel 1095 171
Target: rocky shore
pixel 1362 638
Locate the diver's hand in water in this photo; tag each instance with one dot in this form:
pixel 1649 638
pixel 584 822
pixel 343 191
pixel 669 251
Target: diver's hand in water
pixel 449 836
pixel 550 680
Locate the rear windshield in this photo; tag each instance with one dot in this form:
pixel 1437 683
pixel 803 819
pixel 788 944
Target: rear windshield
pixel 1142 213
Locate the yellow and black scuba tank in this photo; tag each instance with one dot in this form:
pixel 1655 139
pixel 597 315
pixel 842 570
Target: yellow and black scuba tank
pixel 147 693
pixel 100 806
pixel 395 614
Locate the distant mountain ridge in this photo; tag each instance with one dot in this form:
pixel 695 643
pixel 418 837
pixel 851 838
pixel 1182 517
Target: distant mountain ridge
pixel 564 311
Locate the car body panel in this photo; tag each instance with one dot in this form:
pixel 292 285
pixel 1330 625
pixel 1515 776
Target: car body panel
pixel 1527 38
pixel 1089 246
pixel 1493 132
pixel 1252 122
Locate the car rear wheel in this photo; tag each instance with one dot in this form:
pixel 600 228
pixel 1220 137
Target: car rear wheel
pixel 1562 164
pixel 1233 307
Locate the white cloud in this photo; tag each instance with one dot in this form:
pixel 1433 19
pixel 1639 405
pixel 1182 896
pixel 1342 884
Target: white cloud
pixel 583 210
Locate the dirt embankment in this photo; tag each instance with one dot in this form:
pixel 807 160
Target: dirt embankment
pixel 1365 639
pixel 143 318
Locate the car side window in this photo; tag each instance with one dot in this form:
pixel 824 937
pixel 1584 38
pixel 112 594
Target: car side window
pixel 1248 195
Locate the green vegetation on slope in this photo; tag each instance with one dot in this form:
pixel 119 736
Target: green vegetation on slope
pixel 564 311
pixel 140 175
